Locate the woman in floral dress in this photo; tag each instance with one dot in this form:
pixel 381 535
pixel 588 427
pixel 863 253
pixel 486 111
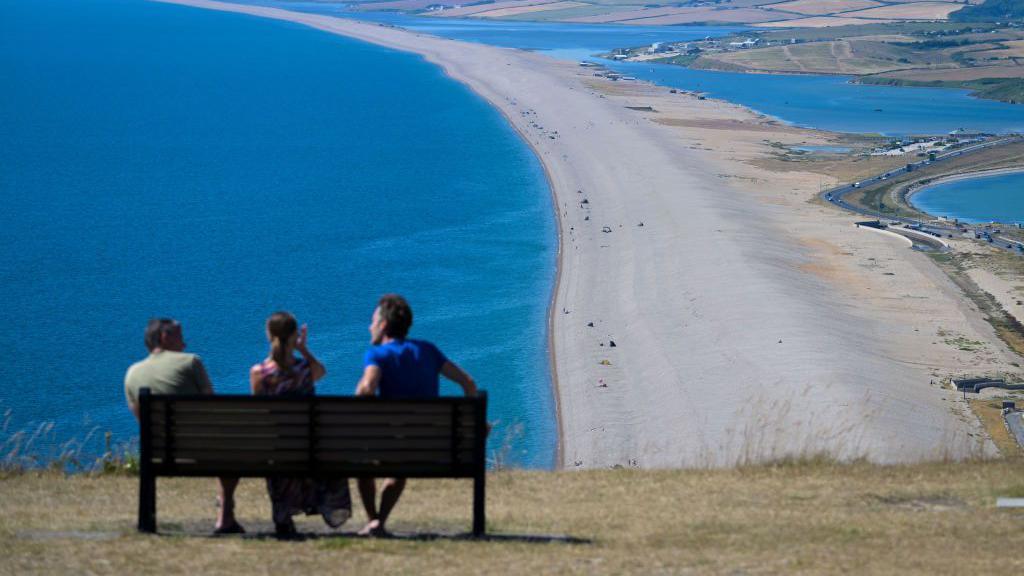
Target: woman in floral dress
pixel 283 373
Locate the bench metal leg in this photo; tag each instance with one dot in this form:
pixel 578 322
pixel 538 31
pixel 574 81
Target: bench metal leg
pixel 147 502
pixel 479 518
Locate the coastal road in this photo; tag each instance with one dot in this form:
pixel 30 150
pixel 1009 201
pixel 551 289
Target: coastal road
pixel 1015 422
pixel 835 196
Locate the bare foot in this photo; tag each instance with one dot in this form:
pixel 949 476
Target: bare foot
pixel 373 529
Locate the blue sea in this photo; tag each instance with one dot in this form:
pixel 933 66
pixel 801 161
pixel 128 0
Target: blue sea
pixel 163 160
pixel 998 198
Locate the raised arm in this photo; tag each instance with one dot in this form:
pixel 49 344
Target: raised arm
pixel 316 369
pixel 451 371
pixel 255 380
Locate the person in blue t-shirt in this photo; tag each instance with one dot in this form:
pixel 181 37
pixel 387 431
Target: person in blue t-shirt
pixel 396 367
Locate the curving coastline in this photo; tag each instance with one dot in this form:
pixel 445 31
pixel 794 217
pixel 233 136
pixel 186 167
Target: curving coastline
pixel 700 301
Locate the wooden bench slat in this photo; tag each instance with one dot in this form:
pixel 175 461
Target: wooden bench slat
pixel 244 404
pixel 258 455
pixel 247 469
pixel 392 456
pixel 199 419
pixel 325 421
pixel 390 432
pixel 395 407
pixel 182 443
pixel 255 432
pixel 373 444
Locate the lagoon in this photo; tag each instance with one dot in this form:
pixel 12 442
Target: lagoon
pixel 824 102
pixel 998 198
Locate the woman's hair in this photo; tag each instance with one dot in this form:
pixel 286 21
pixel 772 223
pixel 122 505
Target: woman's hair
pixel 281 326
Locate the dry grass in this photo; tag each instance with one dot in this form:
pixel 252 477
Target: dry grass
pixel 477 8
pixel 823 7
pixel 1005 324
pixel 502 12
pixel 693 15
pixel 814 57
pixel 958 74
pixel 821 22
pixel 912 11
pixel 806 517
pixel 989 412
pixel 848 168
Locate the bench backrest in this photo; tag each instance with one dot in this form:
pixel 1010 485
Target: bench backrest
pixel 312 436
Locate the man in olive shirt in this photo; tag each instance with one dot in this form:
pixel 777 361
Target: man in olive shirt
pixel 169 370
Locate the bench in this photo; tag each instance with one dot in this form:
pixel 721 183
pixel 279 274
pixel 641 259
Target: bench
pixel 313 436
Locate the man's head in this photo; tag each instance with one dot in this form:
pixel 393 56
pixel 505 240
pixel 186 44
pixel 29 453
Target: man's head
pixel 391 319
pixel 164 334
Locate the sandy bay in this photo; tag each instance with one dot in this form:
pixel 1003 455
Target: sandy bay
pixel 748 322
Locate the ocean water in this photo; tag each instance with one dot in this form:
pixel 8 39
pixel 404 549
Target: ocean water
pixel 997 198
pixel 164 160
pixel 825 102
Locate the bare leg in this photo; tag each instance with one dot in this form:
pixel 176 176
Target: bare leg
pixel 368 494
pixel 389 497
pixel 226 514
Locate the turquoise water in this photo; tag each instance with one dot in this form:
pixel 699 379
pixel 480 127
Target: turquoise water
pixel 825 102
pixel 990 198
pixel 214 167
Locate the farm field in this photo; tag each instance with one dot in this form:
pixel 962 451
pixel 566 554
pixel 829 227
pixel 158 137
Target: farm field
pixel 819 7
pixel 987 58
pixel 822 22
pixel 810 13
pixel 912 11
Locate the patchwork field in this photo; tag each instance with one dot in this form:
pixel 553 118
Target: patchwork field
pixel 1012 49
pixel 693 15
pixel 479 8
pixel 817 58
pixel 515 11
pixel 959 74
pixel 821 22
pixel 813 13
pixel 913 11
pixel 819 7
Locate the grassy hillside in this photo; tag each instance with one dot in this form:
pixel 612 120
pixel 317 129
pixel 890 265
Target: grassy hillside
pixel 807 517
pixel 991 11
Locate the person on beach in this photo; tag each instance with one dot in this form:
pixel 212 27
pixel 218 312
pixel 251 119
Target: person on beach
pixel 284 374
pixel 396 367
pixel 169 370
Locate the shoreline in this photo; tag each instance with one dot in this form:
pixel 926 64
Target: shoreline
pixel 698 315
pixel 955 178
pixel 280 14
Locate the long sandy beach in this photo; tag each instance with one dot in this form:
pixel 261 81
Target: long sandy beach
pixel 707 311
